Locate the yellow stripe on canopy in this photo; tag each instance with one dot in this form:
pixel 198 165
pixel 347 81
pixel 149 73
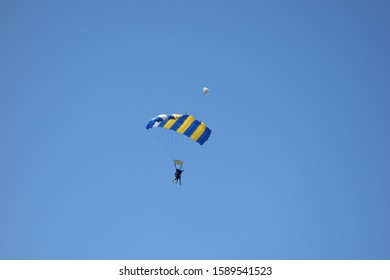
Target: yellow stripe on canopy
pixel 198 132
pixel 186 124
pixel 169 123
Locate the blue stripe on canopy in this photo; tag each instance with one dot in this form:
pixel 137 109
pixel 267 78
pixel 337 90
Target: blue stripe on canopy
pixel 150 124
pixel 192 128
pixel 205 135
pixel 179 122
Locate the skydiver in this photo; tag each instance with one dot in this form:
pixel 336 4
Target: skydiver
pixel 177 176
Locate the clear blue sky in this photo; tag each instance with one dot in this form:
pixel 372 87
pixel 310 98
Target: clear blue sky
pixel 297 166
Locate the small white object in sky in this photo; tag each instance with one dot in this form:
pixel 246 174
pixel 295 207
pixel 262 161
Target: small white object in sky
pixel 205 90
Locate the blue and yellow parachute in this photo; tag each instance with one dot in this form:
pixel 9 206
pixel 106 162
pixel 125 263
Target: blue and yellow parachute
pixel 183 124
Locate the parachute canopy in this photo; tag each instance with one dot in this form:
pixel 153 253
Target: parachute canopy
pixel 183 124
pixel 205 90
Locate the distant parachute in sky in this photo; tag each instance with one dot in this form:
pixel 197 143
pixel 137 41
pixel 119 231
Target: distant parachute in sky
pixel 205 90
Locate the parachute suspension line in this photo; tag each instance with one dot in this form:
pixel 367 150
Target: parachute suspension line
pixel 166 142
